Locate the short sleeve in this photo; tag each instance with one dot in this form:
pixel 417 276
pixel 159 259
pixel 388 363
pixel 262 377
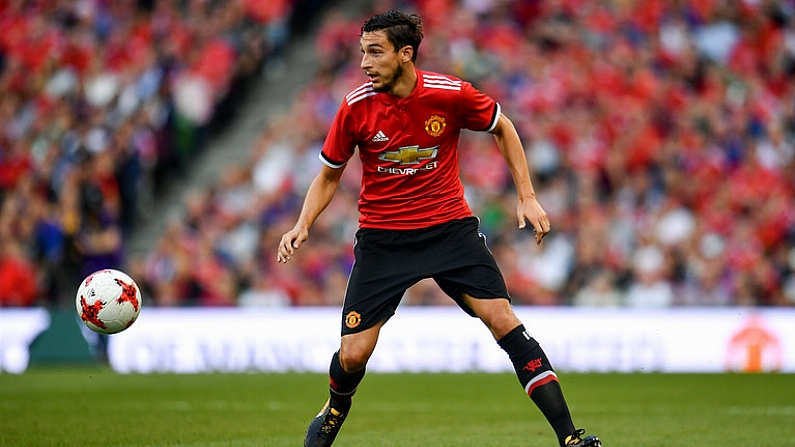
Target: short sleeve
pixel 341 140
pixel 479 112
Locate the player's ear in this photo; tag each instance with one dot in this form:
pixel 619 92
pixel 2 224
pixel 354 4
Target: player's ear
pixel 406 53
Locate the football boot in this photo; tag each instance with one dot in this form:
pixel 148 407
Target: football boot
pixel 324 428
pixel 576 440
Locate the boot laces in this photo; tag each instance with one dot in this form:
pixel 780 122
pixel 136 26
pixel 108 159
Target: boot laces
pixel 575 437
pixel 332 421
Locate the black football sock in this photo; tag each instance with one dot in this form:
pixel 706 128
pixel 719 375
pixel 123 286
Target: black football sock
pixel 342 385
pixel 539 380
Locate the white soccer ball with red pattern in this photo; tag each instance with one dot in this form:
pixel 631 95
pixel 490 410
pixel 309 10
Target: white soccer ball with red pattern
pixel 108 301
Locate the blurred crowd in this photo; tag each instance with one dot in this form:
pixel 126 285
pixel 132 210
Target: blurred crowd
pixel 661 136
pixel 101 102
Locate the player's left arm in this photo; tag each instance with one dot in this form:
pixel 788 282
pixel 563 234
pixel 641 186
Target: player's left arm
pixel 528 208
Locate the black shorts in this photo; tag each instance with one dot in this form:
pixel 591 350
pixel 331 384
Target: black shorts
pixel 388 262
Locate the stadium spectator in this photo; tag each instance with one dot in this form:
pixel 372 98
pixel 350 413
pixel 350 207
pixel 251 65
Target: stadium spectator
pixel 670 124
pixel 661 134
pixel 18 279
pixel 93 115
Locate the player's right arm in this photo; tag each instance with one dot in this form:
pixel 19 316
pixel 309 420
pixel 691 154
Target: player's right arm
pixel 320 193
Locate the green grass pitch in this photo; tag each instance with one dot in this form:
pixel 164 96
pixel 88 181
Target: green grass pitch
pixel 96 407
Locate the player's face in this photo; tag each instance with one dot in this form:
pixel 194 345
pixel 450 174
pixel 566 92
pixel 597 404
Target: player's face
pixel 380 61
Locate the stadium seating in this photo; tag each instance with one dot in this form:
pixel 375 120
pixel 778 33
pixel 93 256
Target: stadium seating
pixel 103 102
pixel 661 135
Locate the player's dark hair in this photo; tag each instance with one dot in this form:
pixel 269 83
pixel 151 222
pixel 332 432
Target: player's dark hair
pixel 401 29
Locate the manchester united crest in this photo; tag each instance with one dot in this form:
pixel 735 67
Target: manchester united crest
pixel 435 125
pixel 353 319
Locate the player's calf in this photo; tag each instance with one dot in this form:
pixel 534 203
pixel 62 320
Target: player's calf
pixel 342 386
pixel 538 379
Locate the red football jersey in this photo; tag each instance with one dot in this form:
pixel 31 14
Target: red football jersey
pixel 408 147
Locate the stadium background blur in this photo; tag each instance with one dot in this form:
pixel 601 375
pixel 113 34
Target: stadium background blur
pixel 661 135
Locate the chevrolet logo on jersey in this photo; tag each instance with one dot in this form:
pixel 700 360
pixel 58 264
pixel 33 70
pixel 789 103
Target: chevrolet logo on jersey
pixel 409 155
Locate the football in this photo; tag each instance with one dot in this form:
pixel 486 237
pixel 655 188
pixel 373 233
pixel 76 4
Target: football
pixel 108 301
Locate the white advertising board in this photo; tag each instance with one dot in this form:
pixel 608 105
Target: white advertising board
pixel 423 339
pixel 446 339
pixel 18 329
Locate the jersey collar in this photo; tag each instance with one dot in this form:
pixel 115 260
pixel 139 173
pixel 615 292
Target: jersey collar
pixel 395 101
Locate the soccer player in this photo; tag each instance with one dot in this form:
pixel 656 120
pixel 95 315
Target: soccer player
pixel 413 220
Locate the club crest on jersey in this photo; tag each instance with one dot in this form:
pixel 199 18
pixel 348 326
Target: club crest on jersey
pixel 435 125
pixel 409 155
pixel 353 319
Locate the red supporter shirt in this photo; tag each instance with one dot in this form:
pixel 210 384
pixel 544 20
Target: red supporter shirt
pixel 408 147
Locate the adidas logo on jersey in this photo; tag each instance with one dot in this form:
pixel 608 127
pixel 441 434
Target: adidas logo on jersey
pixel 379 137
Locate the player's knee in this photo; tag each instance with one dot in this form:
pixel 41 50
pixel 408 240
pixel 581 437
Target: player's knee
pixel 356 349
pixel 353 359
pixel 498 316
pixel 502 326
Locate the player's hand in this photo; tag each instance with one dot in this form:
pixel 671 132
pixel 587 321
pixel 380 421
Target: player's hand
pixel 531 210
pixel 290 242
